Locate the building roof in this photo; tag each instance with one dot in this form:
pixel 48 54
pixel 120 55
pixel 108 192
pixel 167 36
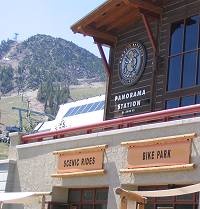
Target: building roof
pixel 112 17
pixel 82 112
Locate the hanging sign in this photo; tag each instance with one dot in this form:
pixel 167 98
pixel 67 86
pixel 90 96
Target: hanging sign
pixel 159 155
pixel 80 160
pixel 159 152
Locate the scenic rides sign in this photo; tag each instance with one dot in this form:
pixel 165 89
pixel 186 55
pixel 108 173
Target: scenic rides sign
pixel 80 161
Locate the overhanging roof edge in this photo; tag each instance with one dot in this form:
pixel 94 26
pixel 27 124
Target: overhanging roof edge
pixel 77 23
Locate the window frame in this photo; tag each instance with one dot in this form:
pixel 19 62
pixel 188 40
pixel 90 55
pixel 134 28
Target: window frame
pixel 182 92
pixel 92 202
pixel 182 55
pixel 155 201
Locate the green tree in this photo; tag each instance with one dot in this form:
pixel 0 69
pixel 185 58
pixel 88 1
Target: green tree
pixel 6 79
pixel 53 95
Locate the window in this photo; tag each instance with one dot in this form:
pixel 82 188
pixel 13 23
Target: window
pixel 184 54
pixel 182 101
pixel 189 201
pixel 89 198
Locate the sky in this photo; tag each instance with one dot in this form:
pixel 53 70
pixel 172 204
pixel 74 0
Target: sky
pixel 50 17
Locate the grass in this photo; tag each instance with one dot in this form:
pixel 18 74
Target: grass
pixel 3 151
pixel 8 116
pixel 86 92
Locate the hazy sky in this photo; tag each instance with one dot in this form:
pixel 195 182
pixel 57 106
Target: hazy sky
pixel 51 17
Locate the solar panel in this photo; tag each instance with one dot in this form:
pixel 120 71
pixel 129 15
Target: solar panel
pixel 69 111
pixel 100 106
pixel 75 111
pixel 80 110
pixel 85 108
pixel 88 107
pixel 93 107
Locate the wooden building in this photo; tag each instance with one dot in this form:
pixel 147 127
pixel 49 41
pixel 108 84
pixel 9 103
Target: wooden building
pixel 167 34
pixel 148 140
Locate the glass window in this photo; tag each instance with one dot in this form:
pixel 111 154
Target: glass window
pixel 189 69
pixel 75 196
pixel 88 195
pixel 184 206
pixel 183 71
pixel 101 194
pixel 198 82
pixel 164 199
pixel 185 197
pixel 87 206
pixel 177 31
pixel 191 33
pixel 197 99
pixel 172 103
pixel 100 206
pixel 176 202
pixel 188 100
pixel 174 75
pixel 89 198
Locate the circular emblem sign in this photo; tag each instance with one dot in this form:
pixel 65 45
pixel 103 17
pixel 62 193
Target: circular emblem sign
pixel 131 64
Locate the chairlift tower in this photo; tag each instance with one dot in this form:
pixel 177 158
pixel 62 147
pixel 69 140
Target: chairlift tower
pixel 16 35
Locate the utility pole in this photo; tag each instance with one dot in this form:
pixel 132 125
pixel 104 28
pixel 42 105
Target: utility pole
pixel 28 113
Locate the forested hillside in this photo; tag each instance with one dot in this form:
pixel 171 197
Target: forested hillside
pixel 48 64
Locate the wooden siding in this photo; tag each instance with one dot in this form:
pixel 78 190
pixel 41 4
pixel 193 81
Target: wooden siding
pixel 155 84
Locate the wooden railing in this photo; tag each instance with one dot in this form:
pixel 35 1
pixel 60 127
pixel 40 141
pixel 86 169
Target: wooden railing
pixel 125 122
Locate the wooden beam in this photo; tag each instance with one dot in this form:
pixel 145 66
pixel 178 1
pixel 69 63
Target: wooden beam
pixel 130 195
pixel 83 149
pixel 103 42
pixel 149 13
pixel 149 32
pixel 95 14
pixel 160 140
pixel 128 18
pixel 113 16
pixel 98 34
pixel 105 63
pixel 144 5
pixel 159 169
pixel 75 174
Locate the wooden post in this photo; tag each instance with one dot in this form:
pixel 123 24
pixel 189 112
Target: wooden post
pixel 43 202
pixel 123 202
pixel 140 206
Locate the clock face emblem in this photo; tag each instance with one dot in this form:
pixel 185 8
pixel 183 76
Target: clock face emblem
pixel 131 64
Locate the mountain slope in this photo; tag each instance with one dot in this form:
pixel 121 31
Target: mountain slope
pixel 43 58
